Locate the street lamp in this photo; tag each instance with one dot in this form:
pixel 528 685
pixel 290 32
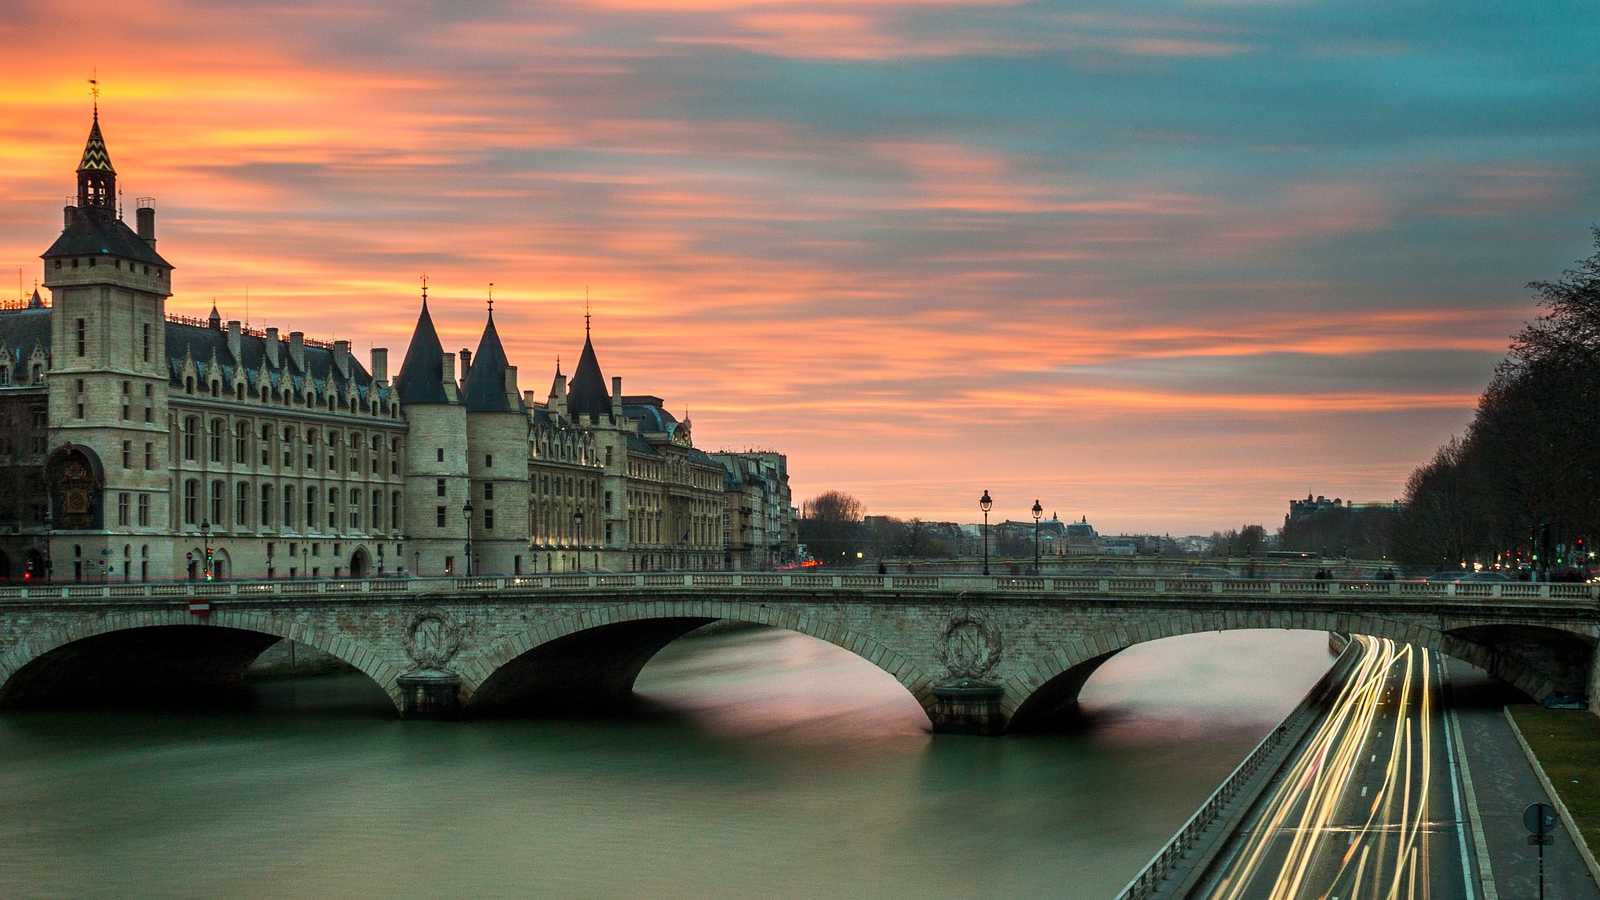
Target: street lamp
pixel 985 503
pixel 205 538
pixel 467 512
pixel 1037 512
pixel 577 536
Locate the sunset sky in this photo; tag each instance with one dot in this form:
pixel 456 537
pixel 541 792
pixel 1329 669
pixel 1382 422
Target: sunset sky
pixel 1162 264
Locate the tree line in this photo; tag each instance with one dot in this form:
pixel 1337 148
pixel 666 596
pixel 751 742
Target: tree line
pixel 1525 476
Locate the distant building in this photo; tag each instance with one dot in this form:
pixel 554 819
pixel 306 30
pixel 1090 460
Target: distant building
pixel 1310 506
pixel 759 527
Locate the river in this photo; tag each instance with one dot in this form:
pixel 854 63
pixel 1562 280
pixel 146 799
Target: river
pixel 762 763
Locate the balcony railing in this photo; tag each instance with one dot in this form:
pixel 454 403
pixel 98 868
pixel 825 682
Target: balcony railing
pixel 1376 593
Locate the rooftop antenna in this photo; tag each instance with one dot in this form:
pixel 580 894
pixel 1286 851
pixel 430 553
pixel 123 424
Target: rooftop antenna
pixel 491 298
pixel 424 288
pixel 586 312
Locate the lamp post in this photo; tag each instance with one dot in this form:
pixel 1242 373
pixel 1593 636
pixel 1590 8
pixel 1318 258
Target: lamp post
pixel 985 503
pixel 380 560
pixel 577 537
pixel 1037 512
pixel 205 538
pixel 466 511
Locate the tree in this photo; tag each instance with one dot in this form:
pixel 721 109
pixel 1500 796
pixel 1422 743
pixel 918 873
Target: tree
pixel 830 526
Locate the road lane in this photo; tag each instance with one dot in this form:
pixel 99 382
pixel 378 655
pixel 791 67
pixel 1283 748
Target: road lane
pixel 1367 809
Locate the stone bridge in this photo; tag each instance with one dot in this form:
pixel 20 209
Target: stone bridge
pixel 979 653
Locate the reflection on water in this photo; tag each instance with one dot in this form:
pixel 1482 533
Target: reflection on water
pixel 761 762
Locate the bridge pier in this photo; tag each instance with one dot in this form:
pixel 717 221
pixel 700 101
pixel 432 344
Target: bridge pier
pixel 430 694
pixel 967 707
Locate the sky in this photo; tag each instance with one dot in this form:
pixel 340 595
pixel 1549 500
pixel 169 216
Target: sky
pixel 1163 265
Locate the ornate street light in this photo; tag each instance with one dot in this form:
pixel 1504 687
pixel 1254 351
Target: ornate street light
pixel 467 511
pixel 205 538
pixel 985 503
pixel 577 536
pixel 1037 512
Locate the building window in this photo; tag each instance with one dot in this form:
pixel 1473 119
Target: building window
pixel 144 509
pixel 127 454
pixel 438 516
pixel 145 332
pixel 149 455
pixel 191 501
pixel 241 504
pixel 438 487
pixel 311 508
pixel 333 508
pixel 83 336
pixel 377 510
pixel 240 441
pixel 215 442
pixel 488 518
pixel 122 509
pixel 218 499
pixel 438 454
pixel 288 506
pixel 355 508
pixel 449 565
pixel 190 439
pixel 488 490
pixel 488 460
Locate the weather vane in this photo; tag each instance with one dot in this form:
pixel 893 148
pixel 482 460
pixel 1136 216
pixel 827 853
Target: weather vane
pixel 491 297
pixel 424 287
pixel 94 90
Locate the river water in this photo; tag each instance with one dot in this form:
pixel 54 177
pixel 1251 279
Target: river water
pixel 763 763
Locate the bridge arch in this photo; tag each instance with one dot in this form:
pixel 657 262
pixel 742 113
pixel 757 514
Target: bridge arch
pixel 1537 659
pixel 235 638
pixel 590 660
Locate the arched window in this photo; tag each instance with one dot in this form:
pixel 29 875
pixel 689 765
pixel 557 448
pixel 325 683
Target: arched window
pixel 215 443
pixel 219 498
pixel 191 501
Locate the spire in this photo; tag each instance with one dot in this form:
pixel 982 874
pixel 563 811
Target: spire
pixel 421 378
pixel 486 388
pixel 97 180
pixel 587 394
pixel 215 319
pixel 35 302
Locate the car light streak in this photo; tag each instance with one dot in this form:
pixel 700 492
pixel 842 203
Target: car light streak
pixel 1386 855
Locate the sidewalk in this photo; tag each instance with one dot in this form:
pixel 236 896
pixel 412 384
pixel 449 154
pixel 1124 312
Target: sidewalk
pixel 1505 785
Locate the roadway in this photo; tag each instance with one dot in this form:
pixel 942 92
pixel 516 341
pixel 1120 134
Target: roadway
pixel 1371 805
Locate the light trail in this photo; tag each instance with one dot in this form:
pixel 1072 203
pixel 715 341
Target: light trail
pixel 1386 856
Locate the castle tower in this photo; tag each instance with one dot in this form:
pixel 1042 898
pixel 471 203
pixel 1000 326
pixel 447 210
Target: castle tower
pixel 497 438
pixel 107 470
pixel 437 488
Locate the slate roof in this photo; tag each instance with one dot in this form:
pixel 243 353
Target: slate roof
pixel 320 376
pixel 651 418
pixel 587 394
pixel 22 330
pixel 422 374
pixel 96 158
pixel 98 232
pixel 486 380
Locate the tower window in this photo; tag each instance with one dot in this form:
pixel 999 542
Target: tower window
pixel 83 336
pixel 146 331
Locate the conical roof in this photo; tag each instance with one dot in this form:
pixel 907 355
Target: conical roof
pixel 95 156
pixel 422 374
pixel 486 380
pixel 587 395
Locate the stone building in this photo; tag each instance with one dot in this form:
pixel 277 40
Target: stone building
pixel 140 445
pixel 759 523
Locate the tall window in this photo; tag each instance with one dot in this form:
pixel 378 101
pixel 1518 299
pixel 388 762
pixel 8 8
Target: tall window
pixel 149 455
pixel 216 440
pixel 145 335
pixel 311 508
pixel 288 506
pixel 377 510
pixel 83 336
pixel 488 490
pixel 333 508
pixel 266 505
pixel 144 509
pixel 394 511
pixel 190 439
pixel 488 518
pixel 241 438
pixel 191 501
pixel 438 516
pixel 355 508
pixel 218 499
pixel 241 504
pixel 122 509
pixel 127 454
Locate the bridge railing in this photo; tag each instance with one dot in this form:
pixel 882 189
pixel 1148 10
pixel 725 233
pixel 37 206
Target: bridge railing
pixel 1484 593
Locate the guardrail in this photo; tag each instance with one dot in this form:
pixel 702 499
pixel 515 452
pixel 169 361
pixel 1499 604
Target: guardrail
pixel 1149 880
pixel 1142 587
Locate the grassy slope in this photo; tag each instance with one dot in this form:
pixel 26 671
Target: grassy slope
pixel 1567 743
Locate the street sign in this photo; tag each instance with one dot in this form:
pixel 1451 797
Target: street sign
pixel 1539 818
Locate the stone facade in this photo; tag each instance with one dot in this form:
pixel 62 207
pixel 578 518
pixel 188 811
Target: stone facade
pixel 144 446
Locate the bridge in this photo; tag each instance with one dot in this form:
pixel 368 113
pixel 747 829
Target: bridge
pixel 979 653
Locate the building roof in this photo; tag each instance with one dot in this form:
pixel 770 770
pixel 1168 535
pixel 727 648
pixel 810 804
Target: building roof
pixel 587 394
pixel 24 329
pixel 96 158
pixel 652 418
pixel 319 377
pixel 486 380
pixel 422 374
pixel 96 232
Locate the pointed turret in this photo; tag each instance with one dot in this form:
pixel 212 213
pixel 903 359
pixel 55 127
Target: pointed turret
pixel 97 180
pixel 587 395
pixel 215 319
pixel 487 389
pixel 422 374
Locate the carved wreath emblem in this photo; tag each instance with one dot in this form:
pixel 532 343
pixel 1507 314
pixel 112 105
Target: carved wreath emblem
pixel 971 648
pixel 433 639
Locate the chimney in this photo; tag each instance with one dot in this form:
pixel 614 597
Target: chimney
pixel 466 364
pixel 380 364
pixel 146 216
pixel 616 396
pixel 448 374
pixel 272 348
pixel 67 212
pixel 234 340
pixel 297 349
pixel 558 395
pixel 511 385
pixel 341 357
pixel 530 399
